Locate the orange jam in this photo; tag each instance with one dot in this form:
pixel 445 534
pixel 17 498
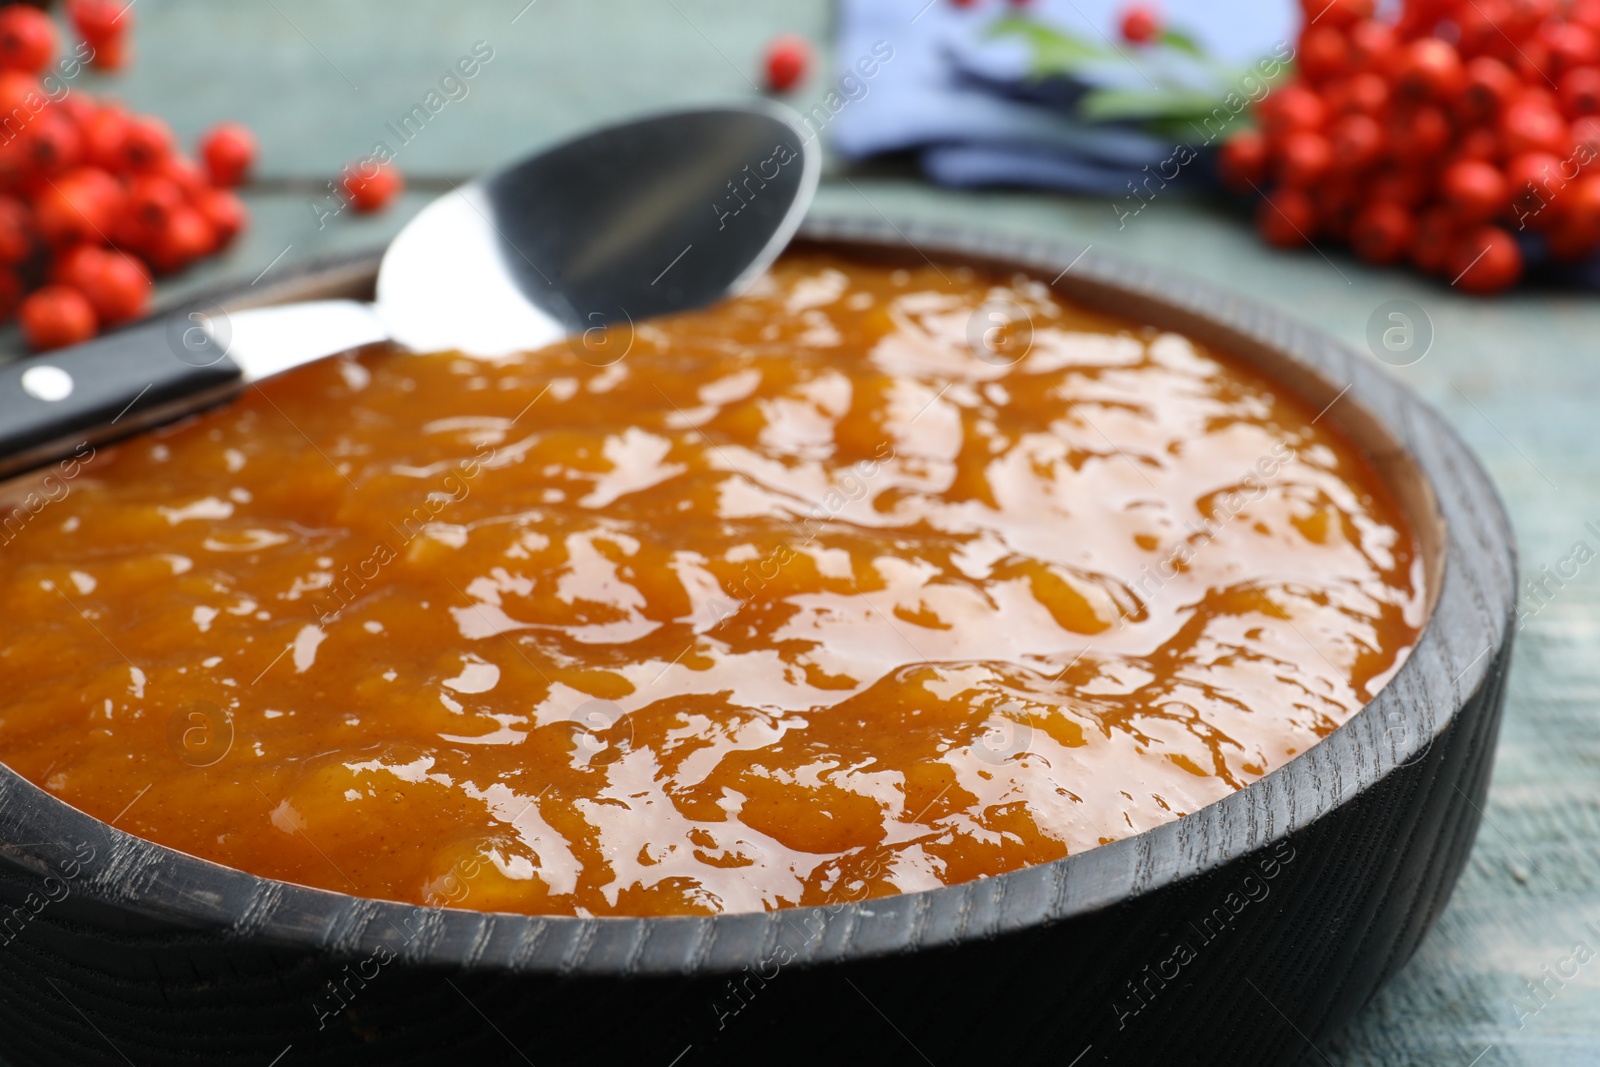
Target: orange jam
pixel 868 581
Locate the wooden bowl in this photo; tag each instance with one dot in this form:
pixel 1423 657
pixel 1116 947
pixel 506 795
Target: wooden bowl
pixel 1235 935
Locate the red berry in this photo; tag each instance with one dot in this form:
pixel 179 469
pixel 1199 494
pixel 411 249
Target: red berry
pixel 788 57
pixel 1585 13
pixel 100 20
pixel 1479 25
pixel 1475 190
pixel 1486 259
pixel 1586 139
pixel 81 205
pixel 1372 46
pixel 146 143
pixel 1535 180
pixel 16 89
pixel 1243 160
pixel 1478 143
pixel 1361 94
pixel 18 237
pixel 1422 135
pixel 1357 142
pixel 1578 233
pixel 1540 94
pixel 1437 230
pixel 111 54
pixel 1294 107
pixel 27 38
pixel 151 201
pixel 14 168
pixel 55 316
pixel 1570 45
pixel 118 288
pixel 1336 206
pixel 74 266
pixel 1382 232
pixel 1324 53
pixel 1527 15
pixel 103 135
pixel 1407 188
pixel 1340 14
pixel 1286 219
pixel 79 108
pixel 52 142
pixel 1530 125
pixel 1141 23
pixel 229 151
pixel 1532 62
pixel 1305 158
pixel 1490 86
pixel 224 211
pixel 182 171
pixel 1429 69
pixel 371 186
pixel 186 238
pixel 1579 91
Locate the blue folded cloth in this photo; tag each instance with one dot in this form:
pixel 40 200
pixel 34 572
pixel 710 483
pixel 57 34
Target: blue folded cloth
pixel 965 103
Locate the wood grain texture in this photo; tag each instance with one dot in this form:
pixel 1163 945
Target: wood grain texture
pixel 1294 898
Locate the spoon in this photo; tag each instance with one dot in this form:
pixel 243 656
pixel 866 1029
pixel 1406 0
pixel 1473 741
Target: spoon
pixel 655 215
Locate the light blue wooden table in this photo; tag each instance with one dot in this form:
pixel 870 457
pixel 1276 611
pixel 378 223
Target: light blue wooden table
pixel 1518 376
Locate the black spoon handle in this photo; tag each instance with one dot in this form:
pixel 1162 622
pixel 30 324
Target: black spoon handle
pixel 113 386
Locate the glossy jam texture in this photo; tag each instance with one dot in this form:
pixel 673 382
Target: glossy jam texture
pixel 869 581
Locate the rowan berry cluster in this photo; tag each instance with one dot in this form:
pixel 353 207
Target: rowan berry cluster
pixel 1434 137
pixel 94 198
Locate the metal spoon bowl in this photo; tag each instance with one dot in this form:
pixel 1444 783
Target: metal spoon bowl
pixel 661 214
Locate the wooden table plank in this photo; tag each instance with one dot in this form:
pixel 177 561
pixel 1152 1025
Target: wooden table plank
pixel 1517 376
pixel 319 81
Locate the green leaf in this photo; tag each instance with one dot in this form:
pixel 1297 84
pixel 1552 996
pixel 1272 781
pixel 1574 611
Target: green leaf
pixel 1193 130
pixel 1139 105
pixel 1054 53
pixel 1165 107
pixel 1182 42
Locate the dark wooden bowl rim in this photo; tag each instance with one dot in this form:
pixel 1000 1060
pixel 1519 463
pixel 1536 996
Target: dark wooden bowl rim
pixel 1433 473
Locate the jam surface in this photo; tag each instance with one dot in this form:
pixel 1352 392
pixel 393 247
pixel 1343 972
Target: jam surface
pixel 868 581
